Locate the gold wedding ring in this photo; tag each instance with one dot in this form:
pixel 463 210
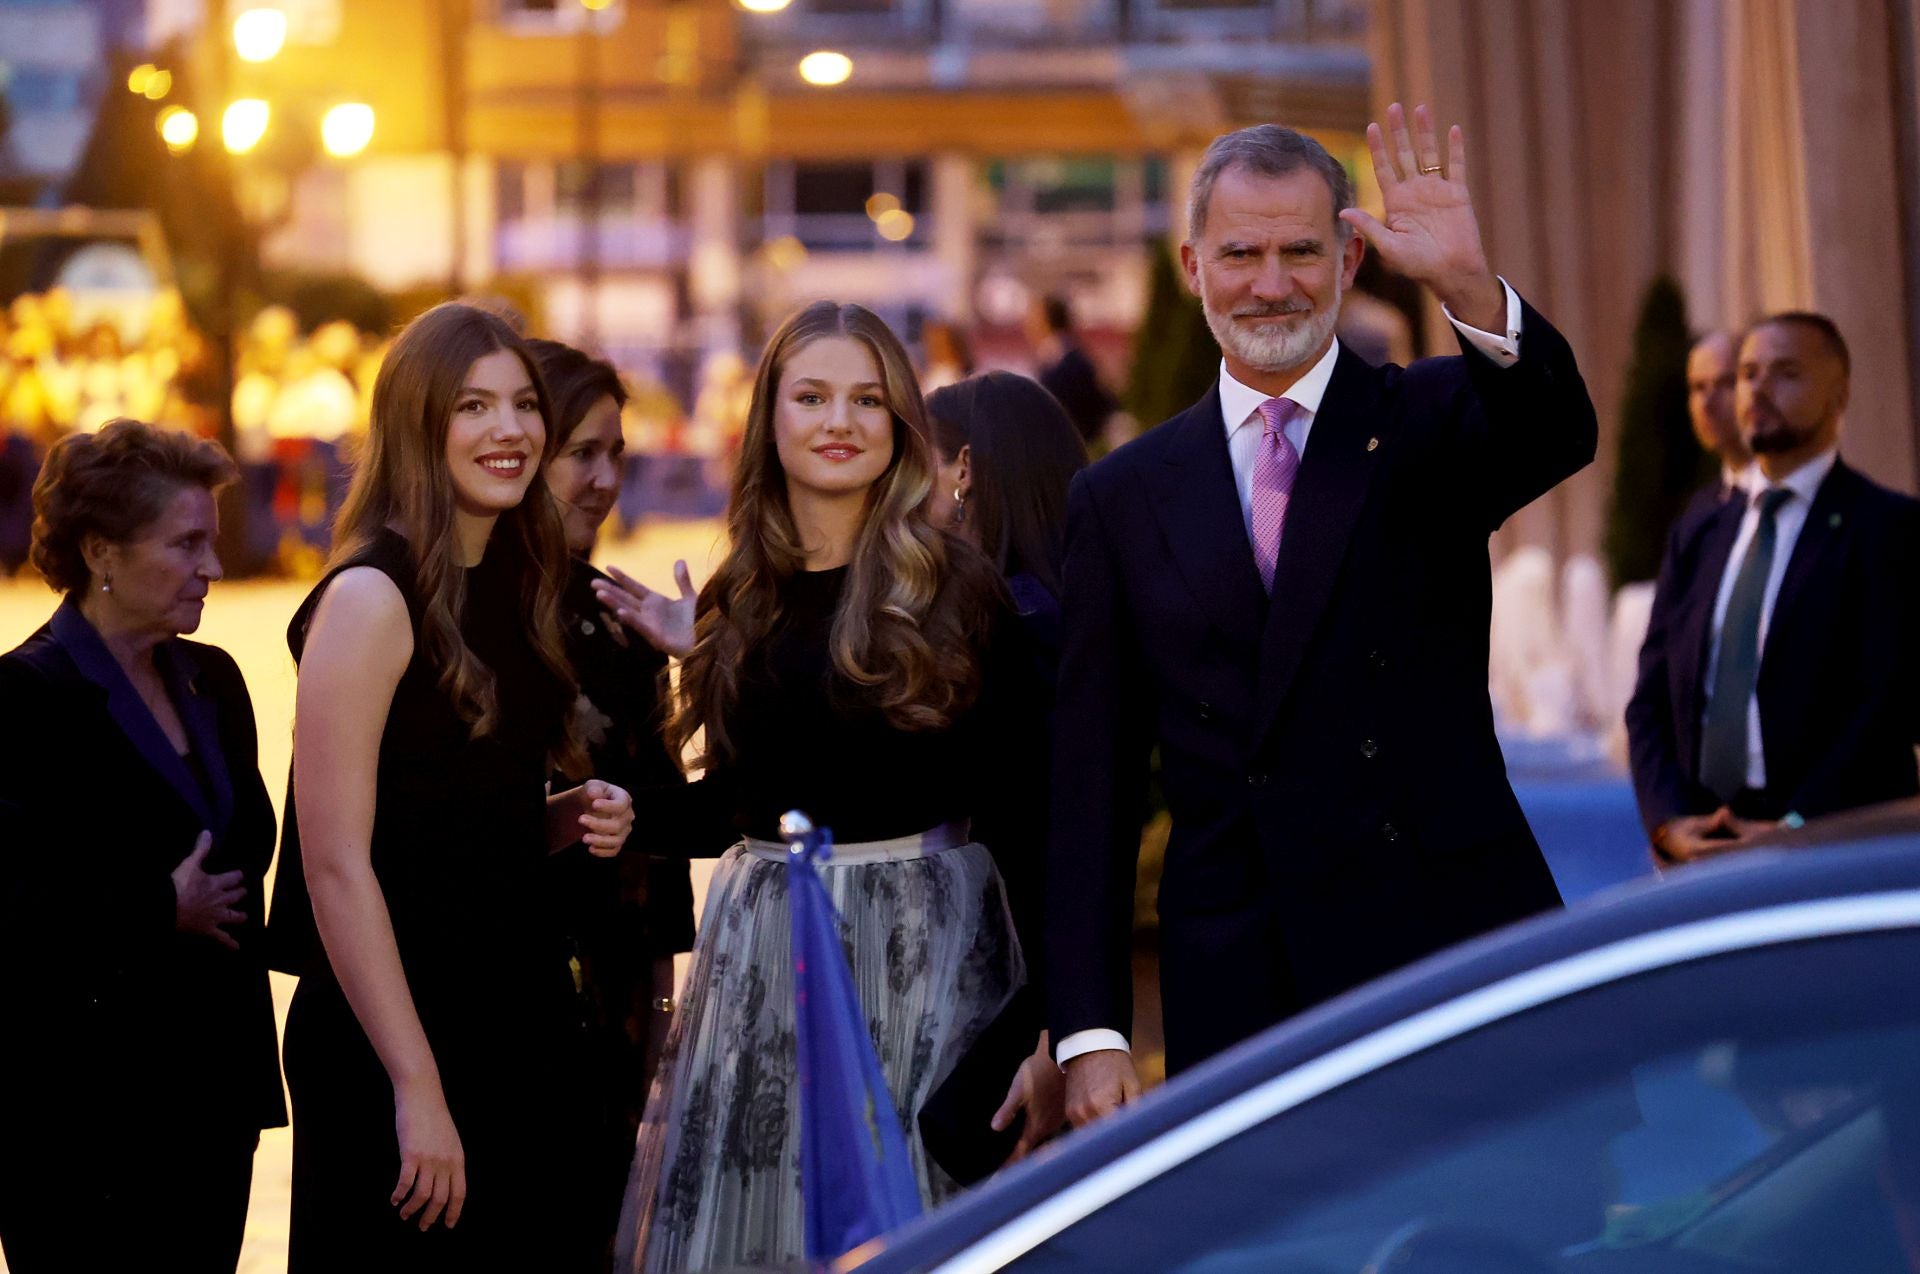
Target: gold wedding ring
pixel 1424 168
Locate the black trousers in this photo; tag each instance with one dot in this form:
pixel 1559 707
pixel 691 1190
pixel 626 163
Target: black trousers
pixel 125 1198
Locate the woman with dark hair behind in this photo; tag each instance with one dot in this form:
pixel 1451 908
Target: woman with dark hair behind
pixel 1006 453
pixel 140 1062
pixel 433 1047
pixel 629 915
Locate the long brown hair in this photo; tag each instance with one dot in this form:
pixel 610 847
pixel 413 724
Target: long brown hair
pixel 915 599
pixel 402 482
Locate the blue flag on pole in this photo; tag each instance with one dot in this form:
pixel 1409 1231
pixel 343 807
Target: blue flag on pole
pixel 854 1173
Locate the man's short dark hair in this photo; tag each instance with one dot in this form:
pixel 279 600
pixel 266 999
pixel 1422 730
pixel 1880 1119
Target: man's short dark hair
pixel 1826 327
pixel 1057 313
pixel 1270 151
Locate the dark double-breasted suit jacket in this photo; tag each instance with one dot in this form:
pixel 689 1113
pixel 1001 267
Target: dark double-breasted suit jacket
pixel 121 1032
pixel 1340 805
pixel 1838 674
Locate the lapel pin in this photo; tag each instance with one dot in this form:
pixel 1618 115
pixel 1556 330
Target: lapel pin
pixel 1833 519
pixel 1373 444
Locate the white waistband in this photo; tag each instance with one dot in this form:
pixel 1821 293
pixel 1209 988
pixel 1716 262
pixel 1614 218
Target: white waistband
pixel 900 849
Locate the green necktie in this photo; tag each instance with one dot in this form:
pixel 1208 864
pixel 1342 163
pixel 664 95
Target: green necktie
pixel 1723 745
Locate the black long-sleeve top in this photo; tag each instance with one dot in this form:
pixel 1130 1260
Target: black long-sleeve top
pixel 802 739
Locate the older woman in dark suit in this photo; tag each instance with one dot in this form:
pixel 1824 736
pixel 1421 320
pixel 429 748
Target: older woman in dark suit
pixel 626 916
pixel 140 1062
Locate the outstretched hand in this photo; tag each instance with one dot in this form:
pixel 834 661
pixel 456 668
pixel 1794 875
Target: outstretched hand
pixel 1429 232
pixel 666 622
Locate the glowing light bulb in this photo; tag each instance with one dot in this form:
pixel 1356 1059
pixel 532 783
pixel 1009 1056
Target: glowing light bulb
pixel 259 34
pixel 895 226
pixel 346 129
pixel 826 68
pixel 244 124
pixel 179 129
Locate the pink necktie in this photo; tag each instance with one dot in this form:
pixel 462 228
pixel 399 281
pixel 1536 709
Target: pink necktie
pixel 1273 474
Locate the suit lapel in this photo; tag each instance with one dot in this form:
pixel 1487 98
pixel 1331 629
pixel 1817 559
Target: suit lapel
pixel 1328 494
pixel 124 704
pixel 1199 509
pixel 1824 530
pixel 200 715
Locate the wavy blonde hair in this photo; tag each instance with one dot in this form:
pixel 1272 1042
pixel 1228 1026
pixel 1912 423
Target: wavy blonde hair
pixel 402 481
pixel 915 598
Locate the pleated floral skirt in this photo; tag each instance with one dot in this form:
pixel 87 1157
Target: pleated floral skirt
pixel 716 1171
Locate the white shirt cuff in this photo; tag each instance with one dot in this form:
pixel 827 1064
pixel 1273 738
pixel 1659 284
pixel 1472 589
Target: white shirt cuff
pixel 1504 350
pixel 1089 1042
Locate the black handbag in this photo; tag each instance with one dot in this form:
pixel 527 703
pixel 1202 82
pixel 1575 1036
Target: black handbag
pixel 956 1120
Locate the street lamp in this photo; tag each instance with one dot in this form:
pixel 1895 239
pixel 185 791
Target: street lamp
pixel 244 124
pixel 149 81
pixel 895 225
pixel 826 68
pixel 258 34
pixel 346 129
pixel 179 129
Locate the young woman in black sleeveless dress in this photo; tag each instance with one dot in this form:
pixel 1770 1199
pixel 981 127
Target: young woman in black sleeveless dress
pixel 434 1048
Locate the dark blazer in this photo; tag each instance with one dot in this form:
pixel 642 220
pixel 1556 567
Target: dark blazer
pixel 1075 382
pixel 1340 805
pixel 108 1012
pixel 638 904
pixel 1837 687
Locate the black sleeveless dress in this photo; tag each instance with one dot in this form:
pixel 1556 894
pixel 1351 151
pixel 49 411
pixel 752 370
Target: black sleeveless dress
pixel 458 845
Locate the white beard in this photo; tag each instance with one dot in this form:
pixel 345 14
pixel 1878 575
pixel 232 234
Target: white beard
pixel 1275 347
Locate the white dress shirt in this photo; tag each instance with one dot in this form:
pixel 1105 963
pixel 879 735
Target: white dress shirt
pixel 1803 484
pixel 1240 412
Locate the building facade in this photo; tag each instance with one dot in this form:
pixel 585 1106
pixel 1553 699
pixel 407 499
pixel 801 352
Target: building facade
pixel 669 184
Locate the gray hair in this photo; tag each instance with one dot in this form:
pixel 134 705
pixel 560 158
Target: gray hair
pixel 1270 151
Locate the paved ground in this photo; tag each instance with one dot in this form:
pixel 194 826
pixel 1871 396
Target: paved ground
pixel 249 620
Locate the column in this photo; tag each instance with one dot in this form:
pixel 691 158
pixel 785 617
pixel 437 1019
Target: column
pixel 951 203
pixel 713 260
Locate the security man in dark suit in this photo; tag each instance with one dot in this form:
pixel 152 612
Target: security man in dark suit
pixel 1286 588
pixel 1777 679
pixel 1711 366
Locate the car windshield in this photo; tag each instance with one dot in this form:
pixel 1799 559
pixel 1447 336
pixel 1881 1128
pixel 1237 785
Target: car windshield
pixel 1755 1112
